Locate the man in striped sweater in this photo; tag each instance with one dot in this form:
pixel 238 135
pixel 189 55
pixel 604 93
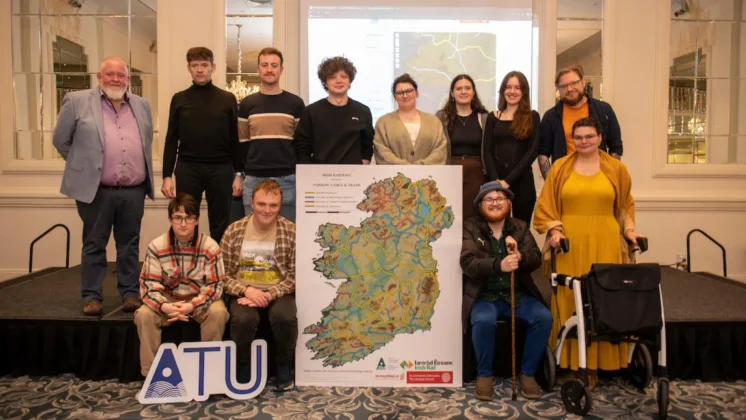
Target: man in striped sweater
pixel 266 125
pixel 181 279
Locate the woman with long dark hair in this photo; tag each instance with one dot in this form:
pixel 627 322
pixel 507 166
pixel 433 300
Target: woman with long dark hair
pixel 511 143
pixel 463 117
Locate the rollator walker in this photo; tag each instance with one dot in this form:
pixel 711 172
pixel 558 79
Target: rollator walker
pixel 614 303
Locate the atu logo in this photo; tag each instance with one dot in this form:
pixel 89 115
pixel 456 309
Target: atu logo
pixel 194 371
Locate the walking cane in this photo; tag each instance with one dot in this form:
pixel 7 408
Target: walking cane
pixel 511 251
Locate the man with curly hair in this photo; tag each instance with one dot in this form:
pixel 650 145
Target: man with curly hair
pixel 336 129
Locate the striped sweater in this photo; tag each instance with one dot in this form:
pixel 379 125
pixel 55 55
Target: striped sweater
pixel 266 125
pixel 193 273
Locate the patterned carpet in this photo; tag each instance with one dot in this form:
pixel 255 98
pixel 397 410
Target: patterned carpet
pixel 66 397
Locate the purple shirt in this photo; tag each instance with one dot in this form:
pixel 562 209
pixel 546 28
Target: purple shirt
pixel 124 162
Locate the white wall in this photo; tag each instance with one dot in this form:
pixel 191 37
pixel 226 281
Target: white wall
pixel 29 191
pixel 670 202
pixel 668 206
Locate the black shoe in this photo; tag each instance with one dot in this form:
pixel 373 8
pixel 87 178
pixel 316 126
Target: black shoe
pixel 243 373
pixel 283 379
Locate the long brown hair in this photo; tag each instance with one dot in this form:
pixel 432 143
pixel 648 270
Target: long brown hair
pixel 449 109
pixel 522 121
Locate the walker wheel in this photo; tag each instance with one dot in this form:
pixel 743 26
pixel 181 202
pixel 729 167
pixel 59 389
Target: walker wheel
pixel 640 369
pixel 575 397
pixel 662 398
pixel 547 375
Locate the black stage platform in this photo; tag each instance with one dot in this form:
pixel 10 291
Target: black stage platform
pixel 44 331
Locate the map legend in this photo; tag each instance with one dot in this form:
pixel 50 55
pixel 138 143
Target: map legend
pixel 332 198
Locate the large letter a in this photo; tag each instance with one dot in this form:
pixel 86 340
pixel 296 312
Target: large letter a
pixel 164 383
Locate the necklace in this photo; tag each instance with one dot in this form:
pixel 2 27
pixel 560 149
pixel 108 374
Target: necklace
pixel 464 120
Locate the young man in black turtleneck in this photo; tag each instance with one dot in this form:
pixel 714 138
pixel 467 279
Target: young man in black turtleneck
pixel 202 127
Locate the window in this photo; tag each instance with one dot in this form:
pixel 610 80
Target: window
pixel 580 40
pixel 248 30
pixel 57 47
pixel 706 91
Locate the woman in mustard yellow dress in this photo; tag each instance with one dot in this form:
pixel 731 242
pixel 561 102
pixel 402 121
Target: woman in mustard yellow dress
pixel 587 199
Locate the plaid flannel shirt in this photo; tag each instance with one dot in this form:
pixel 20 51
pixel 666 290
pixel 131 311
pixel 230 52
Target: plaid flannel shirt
pixel 284 256
pixel 167 265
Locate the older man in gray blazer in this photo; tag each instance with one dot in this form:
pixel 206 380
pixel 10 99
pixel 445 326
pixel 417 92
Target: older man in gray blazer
pixel 105 135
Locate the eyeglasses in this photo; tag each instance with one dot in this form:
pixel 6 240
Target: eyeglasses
pixel 573 84
pixel 587 137
pixel 401 93
pixel 182 219
pixel 494 200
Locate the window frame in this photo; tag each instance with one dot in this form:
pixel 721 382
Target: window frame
pixel 661 167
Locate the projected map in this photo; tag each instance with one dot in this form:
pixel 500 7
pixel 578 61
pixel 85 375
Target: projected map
pixel 433 59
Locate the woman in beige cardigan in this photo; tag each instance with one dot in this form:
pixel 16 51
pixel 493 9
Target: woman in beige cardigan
pixel 408 136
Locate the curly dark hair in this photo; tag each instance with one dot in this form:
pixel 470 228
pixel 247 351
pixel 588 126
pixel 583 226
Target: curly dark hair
pixel 448 112
pixel 330 66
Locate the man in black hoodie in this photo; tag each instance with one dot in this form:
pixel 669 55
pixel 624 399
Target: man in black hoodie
pixel 487 263
pixel 203 128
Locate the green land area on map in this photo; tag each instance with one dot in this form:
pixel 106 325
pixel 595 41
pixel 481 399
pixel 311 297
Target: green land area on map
pixel 391 283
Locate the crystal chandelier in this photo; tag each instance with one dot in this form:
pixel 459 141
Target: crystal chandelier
pixel 238 87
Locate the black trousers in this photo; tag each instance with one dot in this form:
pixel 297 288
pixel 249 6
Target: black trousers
pixel 120 209
pixel 282 319
pixel 216 181
pixel 525 197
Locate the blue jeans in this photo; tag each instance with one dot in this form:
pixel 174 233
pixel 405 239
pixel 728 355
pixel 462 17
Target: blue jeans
pixel 529 314
pixel 287 185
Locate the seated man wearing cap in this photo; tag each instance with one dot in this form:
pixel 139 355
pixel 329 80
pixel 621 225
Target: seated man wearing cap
pixel 494 245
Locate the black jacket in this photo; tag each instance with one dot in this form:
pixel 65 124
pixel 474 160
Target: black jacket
pixel 510 159
pixel 478 264
pixel 553 142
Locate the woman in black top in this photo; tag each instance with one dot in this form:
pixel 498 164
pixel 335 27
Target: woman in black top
pixel 463 117
pixel 511 143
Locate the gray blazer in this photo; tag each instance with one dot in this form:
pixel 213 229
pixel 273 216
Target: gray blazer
pixel 79 137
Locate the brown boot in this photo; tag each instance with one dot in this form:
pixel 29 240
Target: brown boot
pixel 131 304
pixel 92 308
pixel 529 388
pixel 592 380
pixel 484 390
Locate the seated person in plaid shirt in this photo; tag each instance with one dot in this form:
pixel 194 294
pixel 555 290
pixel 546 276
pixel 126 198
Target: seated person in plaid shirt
pixel 259 255
pixel 181 278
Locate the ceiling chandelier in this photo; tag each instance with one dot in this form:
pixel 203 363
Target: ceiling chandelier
pixel 238 87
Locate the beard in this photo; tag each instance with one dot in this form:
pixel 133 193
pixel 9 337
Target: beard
pixel 497 215
pixel 114 93
pixel 574 102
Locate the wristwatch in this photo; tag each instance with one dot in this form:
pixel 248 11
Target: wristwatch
pixel 241 174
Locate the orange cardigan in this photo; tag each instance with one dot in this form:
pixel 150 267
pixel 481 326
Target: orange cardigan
pixel 547 215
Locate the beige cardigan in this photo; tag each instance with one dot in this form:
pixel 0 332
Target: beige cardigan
pixel 393 146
